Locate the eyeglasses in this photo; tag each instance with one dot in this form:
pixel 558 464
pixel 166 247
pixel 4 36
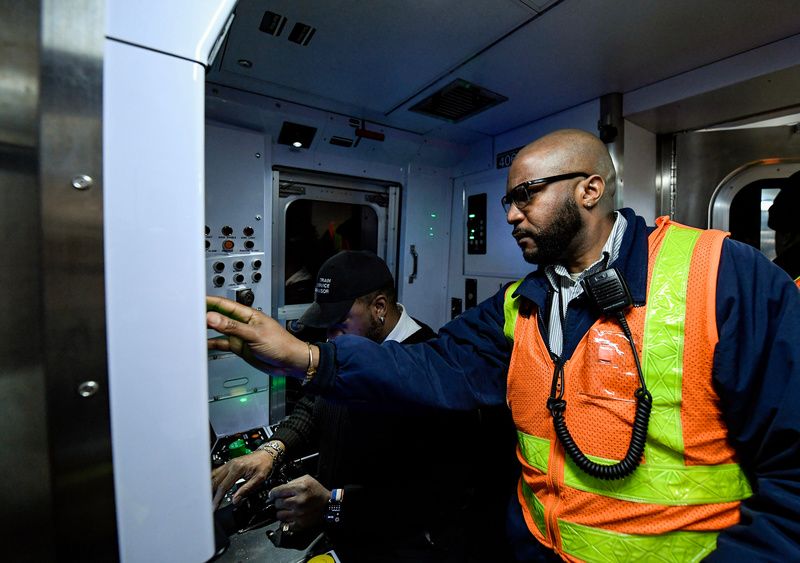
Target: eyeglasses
pixel 520 195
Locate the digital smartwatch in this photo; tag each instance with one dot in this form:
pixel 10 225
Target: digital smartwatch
pixel 333 512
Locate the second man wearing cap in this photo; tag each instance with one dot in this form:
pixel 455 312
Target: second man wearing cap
pixel 390 486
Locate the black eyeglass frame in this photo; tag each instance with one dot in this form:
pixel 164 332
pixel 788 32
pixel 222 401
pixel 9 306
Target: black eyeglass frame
pixel 527 188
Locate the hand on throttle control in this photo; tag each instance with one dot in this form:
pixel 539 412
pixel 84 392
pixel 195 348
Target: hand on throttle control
pixel 258 339
pixel 254 468
pixel 300 503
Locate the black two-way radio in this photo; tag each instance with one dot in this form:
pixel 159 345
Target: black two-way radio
pixel 610 294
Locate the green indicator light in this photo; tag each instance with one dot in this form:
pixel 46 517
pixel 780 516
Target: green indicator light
pixel 243 400
pixel 433 215
pixel 471 215
pixel 471 237
pixel 430 234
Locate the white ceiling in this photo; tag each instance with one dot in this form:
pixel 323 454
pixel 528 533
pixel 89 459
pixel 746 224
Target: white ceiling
pixel 373 59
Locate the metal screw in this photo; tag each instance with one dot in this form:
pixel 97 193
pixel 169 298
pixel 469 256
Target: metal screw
pixel 258 155
pixel 88 388
pixel 258 217
pixel 82 182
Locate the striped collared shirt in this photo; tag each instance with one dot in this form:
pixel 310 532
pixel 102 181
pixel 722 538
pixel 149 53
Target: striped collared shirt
pixel 567 286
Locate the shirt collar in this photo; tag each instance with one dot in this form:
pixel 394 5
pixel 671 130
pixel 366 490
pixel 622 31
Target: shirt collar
pixel 405 327
pixel 558 274
pixel 632 262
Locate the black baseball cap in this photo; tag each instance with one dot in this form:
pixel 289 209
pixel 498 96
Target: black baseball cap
pixel 341 280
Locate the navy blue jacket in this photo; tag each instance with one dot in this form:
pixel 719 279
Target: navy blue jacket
pixel 756 373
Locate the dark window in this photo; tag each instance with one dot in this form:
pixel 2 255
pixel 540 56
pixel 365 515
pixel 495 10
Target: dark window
pixel 315 231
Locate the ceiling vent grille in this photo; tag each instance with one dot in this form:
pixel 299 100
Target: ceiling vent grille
pixel 458 101
pixel 272 23
pixel 301 34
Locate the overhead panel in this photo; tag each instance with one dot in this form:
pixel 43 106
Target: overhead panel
pixel 571 54
pixel 371 55
pixel 375 60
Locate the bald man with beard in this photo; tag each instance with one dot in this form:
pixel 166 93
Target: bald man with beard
pixel 657 422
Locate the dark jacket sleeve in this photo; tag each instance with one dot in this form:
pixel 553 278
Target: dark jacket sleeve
pixel 464 368
pixel 299 430
pixel 757 376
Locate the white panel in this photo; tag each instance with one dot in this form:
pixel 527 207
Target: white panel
pixel 503 257
pixel 750 64
pixel 584 116
pixel 480 157
pixel 238 175
pixel 185 28
pixel 503 260
pixel 426 225
pixel 153 166
pixel 640 172
pixel 487 285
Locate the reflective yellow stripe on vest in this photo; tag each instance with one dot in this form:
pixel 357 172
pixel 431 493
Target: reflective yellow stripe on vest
pixel 664 479
pixel 510 311
pixel 593 544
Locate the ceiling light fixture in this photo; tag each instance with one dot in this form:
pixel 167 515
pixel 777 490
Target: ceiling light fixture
pixel 295 135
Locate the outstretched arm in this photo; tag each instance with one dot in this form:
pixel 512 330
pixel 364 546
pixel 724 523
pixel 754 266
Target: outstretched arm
pixel 258 339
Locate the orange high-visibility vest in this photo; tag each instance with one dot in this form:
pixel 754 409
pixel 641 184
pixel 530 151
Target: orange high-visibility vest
pixel 689 486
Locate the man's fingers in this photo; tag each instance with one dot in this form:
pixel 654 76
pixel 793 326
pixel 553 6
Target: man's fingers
pixel 282 491
pixel 218 498
pixel 219 343
pixel 231 328
pixel 229 309
pixel 246 487
pixel 218 475
pixel 228 482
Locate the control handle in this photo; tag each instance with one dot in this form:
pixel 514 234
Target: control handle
pixel 415 256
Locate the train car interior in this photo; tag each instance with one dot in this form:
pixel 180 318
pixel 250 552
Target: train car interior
pixel 287 131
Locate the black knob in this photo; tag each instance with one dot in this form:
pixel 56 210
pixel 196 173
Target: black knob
pixel 219 281
pixel 238 278
pixel 238 265
pixel 227 230
pixel 256 264
pixel 218 267
pixel 249 244
pixel 245 297
pixel 256 277
pixel 248 231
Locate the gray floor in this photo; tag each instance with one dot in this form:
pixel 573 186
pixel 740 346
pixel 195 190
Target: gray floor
pixel 254 546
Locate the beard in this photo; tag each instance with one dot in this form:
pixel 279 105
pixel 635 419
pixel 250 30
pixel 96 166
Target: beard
pixel 552 241
pixel 373 331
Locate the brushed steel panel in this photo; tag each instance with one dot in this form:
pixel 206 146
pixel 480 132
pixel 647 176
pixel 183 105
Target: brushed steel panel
pixel 72 278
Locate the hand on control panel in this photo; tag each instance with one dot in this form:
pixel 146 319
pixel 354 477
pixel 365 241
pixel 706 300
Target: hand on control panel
pixel 254 468
pixel 258 339
pixel 300 503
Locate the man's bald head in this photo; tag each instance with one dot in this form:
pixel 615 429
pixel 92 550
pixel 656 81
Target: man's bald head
pixel 573 150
